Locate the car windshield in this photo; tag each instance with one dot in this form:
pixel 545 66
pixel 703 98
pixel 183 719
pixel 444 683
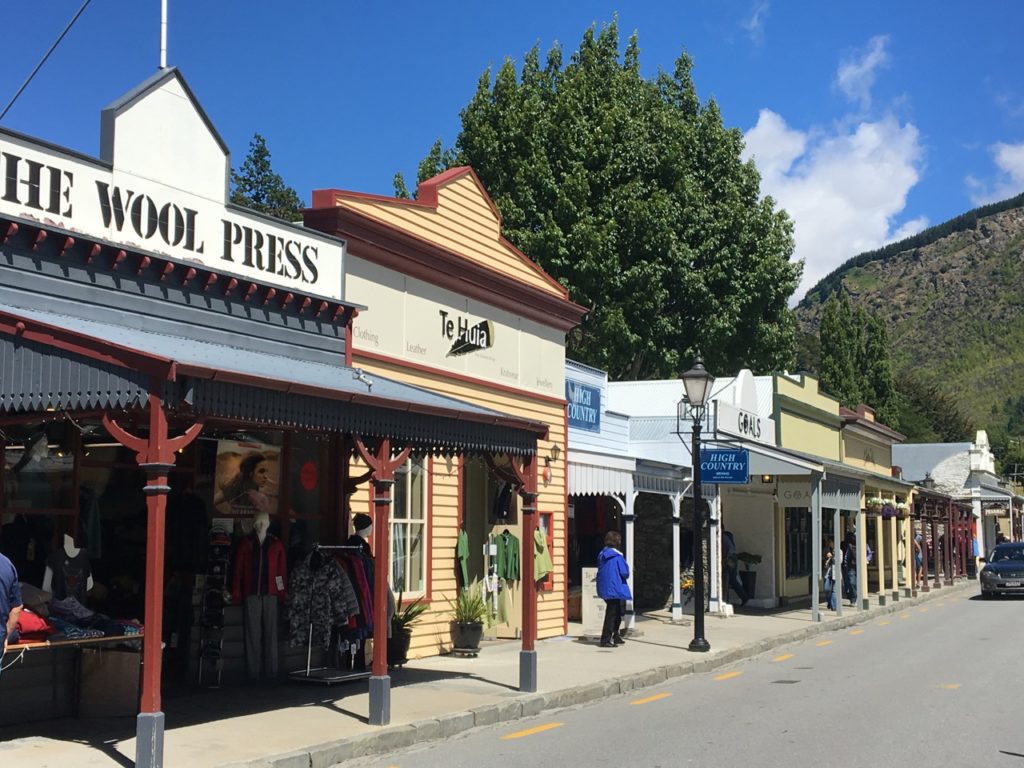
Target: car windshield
pixel 1007 555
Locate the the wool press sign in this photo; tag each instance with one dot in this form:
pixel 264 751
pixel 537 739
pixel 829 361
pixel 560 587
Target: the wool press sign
pixel 724 466
pixel 583 404
pixel 465 335
pixel 166 202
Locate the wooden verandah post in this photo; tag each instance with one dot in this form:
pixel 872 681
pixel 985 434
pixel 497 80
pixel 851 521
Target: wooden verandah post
pixel 155 455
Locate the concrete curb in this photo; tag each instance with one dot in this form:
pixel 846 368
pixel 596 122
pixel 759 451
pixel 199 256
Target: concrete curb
pixel 444 726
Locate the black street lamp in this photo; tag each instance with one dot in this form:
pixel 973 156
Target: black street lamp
pixel 697 384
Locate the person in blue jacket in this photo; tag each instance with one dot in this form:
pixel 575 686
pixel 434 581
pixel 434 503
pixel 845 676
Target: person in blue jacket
pixel 612 572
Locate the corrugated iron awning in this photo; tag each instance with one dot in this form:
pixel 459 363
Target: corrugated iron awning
pixel 55 362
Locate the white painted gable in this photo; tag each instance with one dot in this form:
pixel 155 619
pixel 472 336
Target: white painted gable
pixel 158 132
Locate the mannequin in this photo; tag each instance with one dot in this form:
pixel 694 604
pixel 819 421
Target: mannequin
pixel 260 584
pixel 70 566
pixel 362 526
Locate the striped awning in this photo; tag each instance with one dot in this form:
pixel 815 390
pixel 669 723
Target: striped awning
pixel 595 474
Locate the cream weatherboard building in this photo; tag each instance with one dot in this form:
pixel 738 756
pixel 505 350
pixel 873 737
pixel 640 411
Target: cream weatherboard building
pixel 455 308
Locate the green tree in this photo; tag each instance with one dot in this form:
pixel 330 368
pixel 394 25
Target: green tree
pixel 634 196
pixel 840 352
pixel 256 186
pixel 856 364
pixel 928 414
pixel 879 386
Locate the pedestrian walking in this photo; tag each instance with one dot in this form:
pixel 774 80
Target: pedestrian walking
pixel 612 572
pixel 10 602
pixel 919 558
pixel 849 568
pixel 732 576
pixel 828 569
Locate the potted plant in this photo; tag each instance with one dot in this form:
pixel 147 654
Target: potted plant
pixel 468 613
pixel 748 577
pixel 401 628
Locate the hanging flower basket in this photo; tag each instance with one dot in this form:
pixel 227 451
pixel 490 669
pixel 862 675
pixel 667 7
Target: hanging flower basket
pixel 888 511
pixel 874 504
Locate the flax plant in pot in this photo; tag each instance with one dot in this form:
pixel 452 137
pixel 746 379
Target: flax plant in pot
pixel 401 628
pixel 468 613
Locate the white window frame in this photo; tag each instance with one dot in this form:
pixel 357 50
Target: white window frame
pixel 404 518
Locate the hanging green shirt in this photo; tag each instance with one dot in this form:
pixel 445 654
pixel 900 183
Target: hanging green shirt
pixel 508 556
pixel 542 564
pixel 462 555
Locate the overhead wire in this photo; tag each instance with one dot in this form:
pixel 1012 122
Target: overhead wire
pixel 43 60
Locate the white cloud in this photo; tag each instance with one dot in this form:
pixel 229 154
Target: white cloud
pixel 1009 159
pixel 856 74
pixel 909 229
pixel 843 186
pixel 754 25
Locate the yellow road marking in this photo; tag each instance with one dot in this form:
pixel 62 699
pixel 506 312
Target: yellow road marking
pixel 856 631
pixel 904 615
pixel 728 675
pixel 783 657
pixel 531 731
pixel 923 610
pixel 649 699
pixel 883 623
pixel 948 686
pixel 824 642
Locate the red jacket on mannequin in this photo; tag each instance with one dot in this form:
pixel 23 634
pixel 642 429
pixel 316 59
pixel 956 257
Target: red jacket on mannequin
pixel 275 568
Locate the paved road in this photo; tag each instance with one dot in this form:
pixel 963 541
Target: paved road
pixel 935 685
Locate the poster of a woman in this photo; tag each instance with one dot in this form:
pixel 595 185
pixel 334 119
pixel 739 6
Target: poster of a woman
pixel 246 478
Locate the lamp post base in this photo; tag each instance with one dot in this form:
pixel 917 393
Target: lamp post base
pixel 700 645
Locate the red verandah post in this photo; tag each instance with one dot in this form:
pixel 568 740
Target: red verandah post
pixel 528 654
pixel 155 455
pixel 382 466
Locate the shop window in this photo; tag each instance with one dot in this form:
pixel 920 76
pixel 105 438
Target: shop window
pixel 798 542
pixel 39 471
pixel 409 529
pixel 306 494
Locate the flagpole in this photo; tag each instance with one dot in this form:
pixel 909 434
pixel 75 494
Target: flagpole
pixel 163 34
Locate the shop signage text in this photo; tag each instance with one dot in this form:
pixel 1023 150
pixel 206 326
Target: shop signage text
pixel 36 182
pixel 794 494
pixel 584 406
pixel 466 337
pixel 719 465
pixel 742 423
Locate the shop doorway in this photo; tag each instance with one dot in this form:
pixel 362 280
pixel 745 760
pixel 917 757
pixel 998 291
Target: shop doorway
pixel 493 524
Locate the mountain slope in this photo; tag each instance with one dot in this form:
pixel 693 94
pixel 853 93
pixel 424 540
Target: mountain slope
pixel 953 299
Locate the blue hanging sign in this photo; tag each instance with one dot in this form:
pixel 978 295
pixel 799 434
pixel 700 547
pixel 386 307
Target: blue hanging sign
pixel 583 405
pixel 719 465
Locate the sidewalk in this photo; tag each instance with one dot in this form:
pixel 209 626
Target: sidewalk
pixel 294 726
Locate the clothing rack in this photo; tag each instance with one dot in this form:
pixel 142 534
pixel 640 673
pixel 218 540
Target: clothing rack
pixel 325 675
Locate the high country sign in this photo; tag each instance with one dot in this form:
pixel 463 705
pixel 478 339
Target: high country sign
pixel 718 465
pixel 39 183
pixel 583 404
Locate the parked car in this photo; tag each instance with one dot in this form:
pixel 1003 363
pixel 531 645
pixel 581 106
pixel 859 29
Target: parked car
pixel 1003 573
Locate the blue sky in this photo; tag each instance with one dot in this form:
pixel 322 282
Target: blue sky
pixel 868 120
